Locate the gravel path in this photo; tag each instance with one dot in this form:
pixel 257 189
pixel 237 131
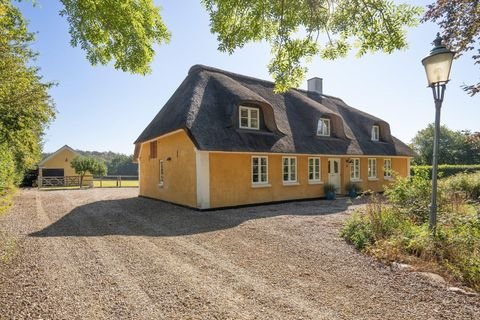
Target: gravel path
pixel 107 254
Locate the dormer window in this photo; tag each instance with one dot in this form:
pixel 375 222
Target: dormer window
pixel 375 133
pixel 249 118
pixel 323 128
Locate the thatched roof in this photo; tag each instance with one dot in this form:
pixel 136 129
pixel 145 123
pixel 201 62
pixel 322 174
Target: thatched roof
pixel 206 106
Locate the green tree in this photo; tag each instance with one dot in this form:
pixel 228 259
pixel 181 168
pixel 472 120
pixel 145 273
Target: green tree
pixel 472 145
pixel 84 165
pixel 122 165
pixel 460 22
pixel 25 106
pixel 453 147
pixel 294 29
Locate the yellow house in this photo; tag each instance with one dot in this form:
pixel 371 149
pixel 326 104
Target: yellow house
pixel 55 169
pixel 224 139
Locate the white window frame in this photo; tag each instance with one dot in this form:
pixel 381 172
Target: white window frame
pixel 249 117
pixel 259 171
pixel 316 171
pixel 375 133
pixel 161 173
pixel 325 124
pixel 292 162
pixel 372 168
pixel 355 169
pixel 387 169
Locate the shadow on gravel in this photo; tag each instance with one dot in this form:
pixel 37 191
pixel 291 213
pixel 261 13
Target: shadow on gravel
pixel 145 217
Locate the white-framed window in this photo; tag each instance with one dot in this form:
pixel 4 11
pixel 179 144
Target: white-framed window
pixel 387 168
pixel 249 117
pixel 323 128
pixel 372 168
pixel 314 169
pixel 289 169
pixel 375 133
pixel 259 170
pixel 161 174
pixel 355 169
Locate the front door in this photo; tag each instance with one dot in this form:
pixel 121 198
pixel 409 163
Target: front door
pixel 334 172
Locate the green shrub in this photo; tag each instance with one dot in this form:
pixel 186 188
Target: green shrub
pixel 469 184
pixel 358 232
pixel 379 222
pixel 411 196
pixel 447 170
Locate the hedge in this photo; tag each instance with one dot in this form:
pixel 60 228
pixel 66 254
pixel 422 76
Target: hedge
pixel 447 170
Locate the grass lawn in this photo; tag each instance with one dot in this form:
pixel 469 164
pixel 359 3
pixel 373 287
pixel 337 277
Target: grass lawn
pixel 113 183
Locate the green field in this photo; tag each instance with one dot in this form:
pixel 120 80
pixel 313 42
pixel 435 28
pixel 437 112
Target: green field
pixel 113 183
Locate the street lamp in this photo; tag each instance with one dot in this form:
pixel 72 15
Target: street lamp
pixel 437 67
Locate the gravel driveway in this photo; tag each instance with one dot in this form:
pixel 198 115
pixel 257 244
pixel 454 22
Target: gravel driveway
pixel 107 254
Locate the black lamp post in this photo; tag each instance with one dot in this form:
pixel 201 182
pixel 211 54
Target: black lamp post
pixel 437 66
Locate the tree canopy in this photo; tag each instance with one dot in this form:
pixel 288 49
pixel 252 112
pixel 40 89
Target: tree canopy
pixel 125 32
pixel 455 147
pixel 460 23
pixel 120 31
pixel 299 30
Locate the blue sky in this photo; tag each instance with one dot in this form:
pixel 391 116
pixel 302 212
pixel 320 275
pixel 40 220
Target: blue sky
pixel 100 108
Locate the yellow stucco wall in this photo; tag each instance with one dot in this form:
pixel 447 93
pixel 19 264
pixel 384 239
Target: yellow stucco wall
pixel 399 166
pixel 230 175
pixel 179 172
pixel 61 160
pixel 230 178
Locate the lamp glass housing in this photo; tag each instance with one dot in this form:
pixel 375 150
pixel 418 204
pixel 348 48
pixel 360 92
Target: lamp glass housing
pixel 437 67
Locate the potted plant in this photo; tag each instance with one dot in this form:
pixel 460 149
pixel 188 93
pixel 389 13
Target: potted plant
pixel 353 189
pixel 329 190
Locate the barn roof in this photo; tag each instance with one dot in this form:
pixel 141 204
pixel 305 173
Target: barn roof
pixel 206 106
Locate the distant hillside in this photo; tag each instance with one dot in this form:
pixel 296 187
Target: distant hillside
pixel 117 163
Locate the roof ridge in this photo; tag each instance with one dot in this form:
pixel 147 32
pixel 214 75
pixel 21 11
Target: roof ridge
pixel 231 73
pixel 226 72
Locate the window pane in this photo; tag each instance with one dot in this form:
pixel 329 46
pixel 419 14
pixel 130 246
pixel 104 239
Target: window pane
pixel 244 113
pixel 327 127
pixel 254 114
pixel 254 123
pixel 264 177
pixel 244 122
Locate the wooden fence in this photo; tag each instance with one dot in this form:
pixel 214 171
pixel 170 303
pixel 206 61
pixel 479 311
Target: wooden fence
pixel 66 181
pixel 89 181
